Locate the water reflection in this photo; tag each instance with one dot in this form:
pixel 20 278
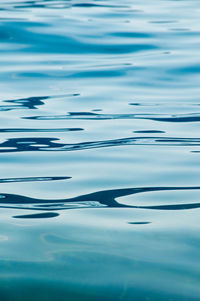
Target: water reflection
pixel 27 130
pixel 52 144
pixel 31 103
pixel 105 223
pixel 100 199
pixel 192 117
pixel 32 179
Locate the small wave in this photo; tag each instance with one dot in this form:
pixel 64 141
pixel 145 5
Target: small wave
pixel 32 179
pixel 49 130
pixel 31 103
pixel 100 199
pixel 52 144
pixel 192 117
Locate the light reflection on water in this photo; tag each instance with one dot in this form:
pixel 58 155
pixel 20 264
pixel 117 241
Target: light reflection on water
pixel 99 150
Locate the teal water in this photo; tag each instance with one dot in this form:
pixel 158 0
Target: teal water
pixel 99 150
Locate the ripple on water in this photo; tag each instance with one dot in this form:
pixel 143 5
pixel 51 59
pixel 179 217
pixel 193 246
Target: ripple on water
pixel 80 218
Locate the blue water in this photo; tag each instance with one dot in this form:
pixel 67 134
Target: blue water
pixel 99 150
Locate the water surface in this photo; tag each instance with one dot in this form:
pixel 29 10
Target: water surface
pixel 99 150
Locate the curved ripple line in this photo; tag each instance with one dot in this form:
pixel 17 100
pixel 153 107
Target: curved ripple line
pixel 100 199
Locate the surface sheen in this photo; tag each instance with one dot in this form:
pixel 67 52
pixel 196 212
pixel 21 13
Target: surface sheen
pixel 99 150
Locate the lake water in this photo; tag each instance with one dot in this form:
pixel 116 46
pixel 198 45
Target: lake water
pixel 99 150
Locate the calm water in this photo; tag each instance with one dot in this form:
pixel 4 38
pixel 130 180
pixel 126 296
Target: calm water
pixel 99 150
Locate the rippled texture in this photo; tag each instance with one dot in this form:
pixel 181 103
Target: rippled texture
pixel 99 150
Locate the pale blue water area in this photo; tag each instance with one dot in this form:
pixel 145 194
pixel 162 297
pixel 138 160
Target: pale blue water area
pixel 99 150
